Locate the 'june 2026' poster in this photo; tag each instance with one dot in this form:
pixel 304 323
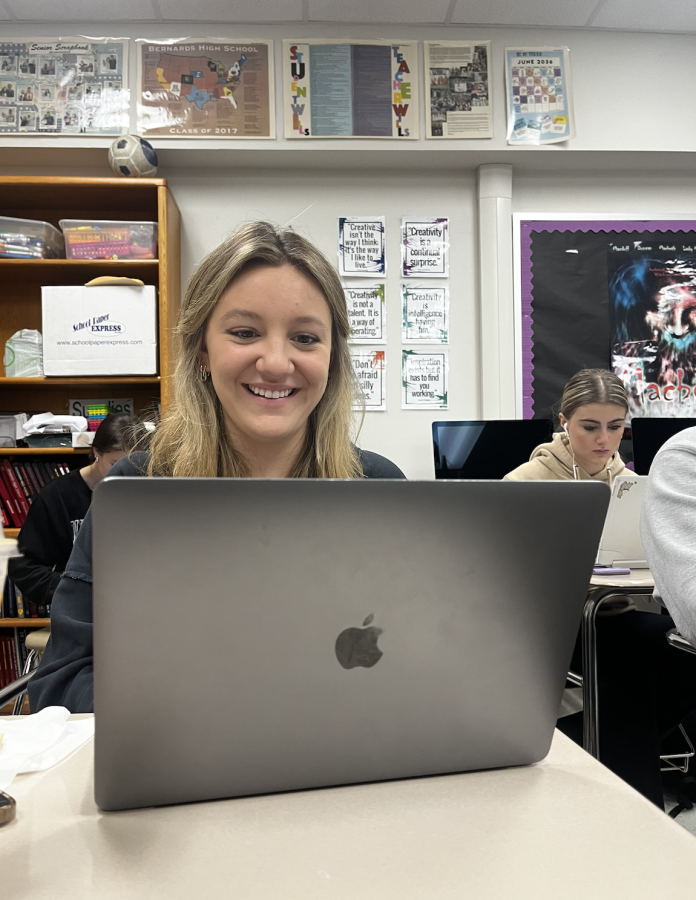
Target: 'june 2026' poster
pixel 652 307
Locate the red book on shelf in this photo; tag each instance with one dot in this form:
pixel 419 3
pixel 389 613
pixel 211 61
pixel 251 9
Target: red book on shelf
pixel 15 658
pixel 4 663
pixel 29 469
pixel 4 517
pixel 14 486
pixel 19 475
pixel 48 475
pixel 10 506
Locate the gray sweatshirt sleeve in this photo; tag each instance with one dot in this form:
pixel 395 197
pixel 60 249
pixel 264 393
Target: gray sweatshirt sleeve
pixel 64 677
pixel 65 674
pixel 668 528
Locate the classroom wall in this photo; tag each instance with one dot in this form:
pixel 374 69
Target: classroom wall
pixel 214 203
pixel 218 187
pixel 632 90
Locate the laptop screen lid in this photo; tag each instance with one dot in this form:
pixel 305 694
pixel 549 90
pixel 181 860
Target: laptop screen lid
pixel 257 636
pixel 620 544
pixel 486 450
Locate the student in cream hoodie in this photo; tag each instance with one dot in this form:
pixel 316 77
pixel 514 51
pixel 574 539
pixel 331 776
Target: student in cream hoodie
pixel 645 687
pixel 592 416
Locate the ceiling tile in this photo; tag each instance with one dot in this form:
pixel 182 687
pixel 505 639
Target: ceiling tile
pixel 388 11
pixel 235 11
pixel 677 15
pixel 531 12
pixel 81 11
pixel 4 14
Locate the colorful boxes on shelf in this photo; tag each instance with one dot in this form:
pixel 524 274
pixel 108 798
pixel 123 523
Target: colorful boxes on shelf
pixel 29 239
pixel 104 239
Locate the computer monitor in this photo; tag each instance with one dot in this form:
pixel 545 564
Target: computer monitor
pixel 649 434
pixel 486 450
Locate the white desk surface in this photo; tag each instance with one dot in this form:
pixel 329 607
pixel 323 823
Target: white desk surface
pixel 637 578
pixel 565 829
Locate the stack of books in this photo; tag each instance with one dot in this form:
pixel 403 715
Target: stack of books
pixel 16 606
pixel 20 482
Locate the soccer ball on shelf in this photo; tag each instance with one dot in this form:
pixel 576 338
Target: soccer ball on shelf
pixel 133 157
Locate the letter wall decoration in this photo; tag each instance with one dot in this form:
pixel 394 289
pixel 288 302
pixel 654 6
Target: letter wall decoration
pixel 350 89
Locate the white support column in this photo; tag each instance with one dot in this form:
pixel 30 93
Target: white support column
pixel 496 308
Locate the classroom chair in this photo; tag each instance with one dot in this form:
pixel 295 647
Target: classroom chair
pixel 35 643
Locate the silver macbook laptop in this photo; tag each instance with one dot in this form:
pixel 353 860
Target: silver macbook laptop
pixel 253 636
pixel 620 544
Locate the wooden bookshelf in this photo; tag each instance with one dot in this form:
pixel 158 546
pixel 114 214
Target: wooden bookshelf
pixel 11 532
pixel 24 623
pixel 55 381
pixel 43 451
pixel 50 199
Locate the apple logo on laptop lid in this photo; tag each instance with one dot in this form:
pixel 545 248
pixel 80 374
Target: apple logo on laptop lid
pixel 358 646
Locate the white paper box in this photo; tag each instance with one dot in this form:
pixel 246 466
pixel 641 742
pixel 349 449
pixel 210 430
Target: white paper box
pixel 108 330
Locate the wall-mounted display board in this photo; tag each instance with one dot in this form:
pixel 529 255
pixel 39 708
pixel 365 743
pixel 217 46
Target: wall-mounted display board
pixel 70 86
pixel 424 379
pixel 350 89
pixel 424 247
pixel 606 291
pixel 457 93
pixel 367 313
pixel 370 367
pixel 539 95
pixel 210 88
pixel 424 314
pixel 361 246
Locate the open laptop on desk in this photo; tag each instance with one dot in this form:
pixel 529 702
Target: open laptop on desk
pixel 253 636
pixel 620 544
pixel 649 433
pixel 486 450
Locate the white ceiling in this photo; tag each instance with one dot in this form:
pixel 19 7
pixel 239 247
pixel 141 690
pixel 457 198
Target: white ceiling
pixel 626 15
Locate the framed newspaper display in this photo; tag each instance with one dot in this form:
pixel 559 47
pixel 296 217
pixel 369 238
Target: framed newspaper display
pixel 207 88
pixel 457 90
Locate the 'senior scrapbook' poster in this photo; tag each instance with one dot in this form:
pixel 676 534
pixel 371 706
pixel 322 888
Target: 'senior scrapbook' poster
pixel 70 86
pixel 607 293
pixel 206 88
pixel 350 89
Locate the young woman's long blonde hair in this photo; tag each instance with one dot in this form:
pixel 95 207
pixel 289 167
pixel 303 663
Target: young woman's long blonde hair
pixel 192 439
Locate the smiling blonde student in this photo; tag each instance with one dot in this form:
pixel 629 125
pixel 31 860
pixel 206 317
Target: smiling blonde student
pixel 263 388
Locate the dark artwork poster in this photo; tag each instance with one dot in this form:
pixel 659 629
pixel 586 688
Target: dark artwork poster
pixel 652 313
pixel 567 312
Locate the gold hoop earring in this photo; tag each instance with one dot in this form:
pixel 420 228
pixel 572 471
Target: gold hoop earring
pixel 203 373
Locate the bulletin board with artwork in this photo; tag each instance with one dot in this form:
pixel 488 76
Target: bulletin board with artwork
pixel 615 292
pixel 69 86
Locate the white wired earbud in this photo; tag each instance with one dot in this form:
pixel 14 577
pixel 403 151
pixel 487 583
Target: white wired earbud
pixel 575 468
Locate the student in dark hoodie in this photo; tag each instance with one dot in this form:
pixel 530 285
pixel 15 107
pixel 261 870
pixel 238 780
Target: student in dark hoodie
pixel 56 515
pixel 646 687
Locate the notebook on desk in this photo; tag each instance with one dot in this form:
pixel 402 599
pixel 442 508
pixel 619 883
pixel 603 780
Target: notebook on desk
pixel 620 544
pixel 259 636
